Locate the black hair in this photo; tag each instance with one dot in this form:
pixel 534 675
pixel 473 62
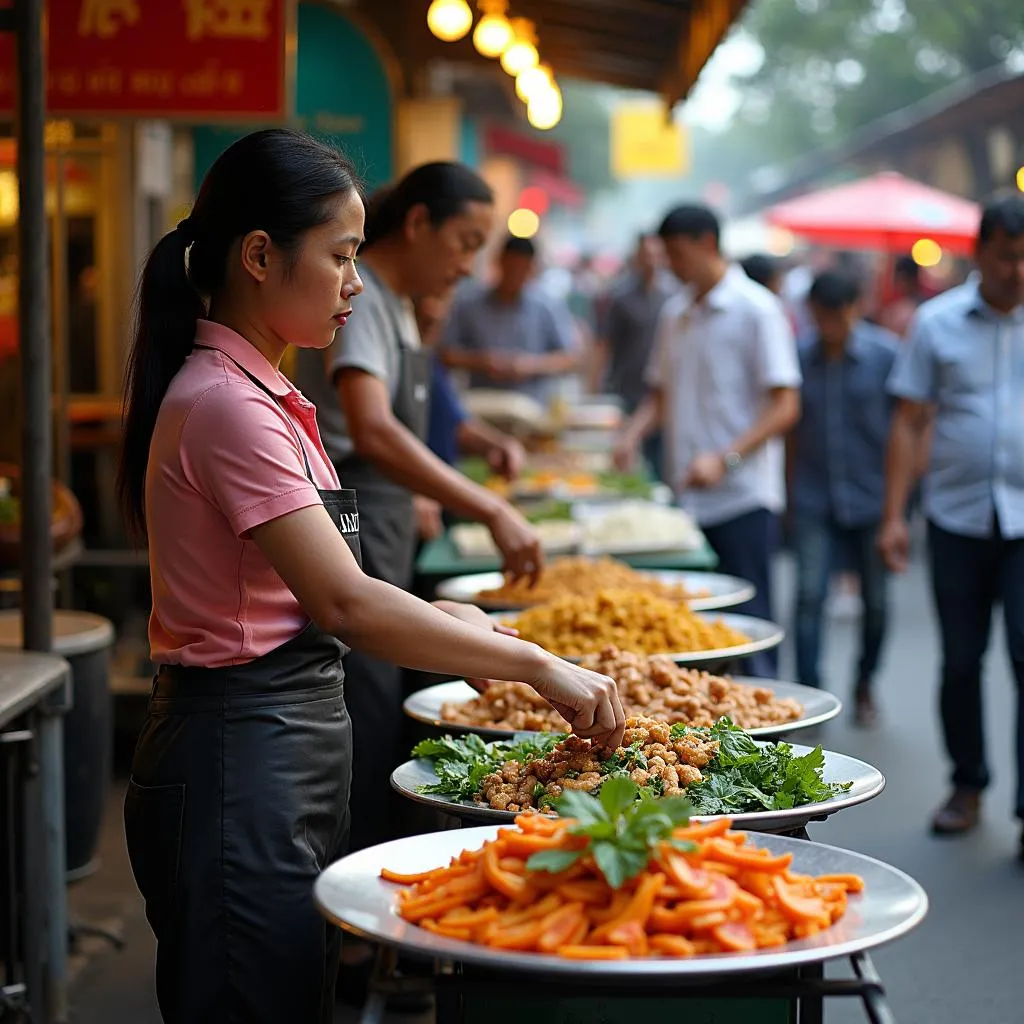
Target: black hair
pixel 279 181
pixel 444 188
pixel 519 246
pixel 761 268
pixel 1004 213
pixel 833 289
pixel 906 268
pixel 691 221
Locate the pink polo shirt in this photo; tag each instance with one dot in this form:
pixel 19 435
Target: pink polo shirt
pixel 225 458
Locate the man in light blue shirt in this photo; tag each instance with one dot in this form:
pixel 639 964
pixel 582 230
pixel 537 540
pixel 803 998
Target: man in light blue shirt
pixel 836 463
pixel 512 336
pixel 963 373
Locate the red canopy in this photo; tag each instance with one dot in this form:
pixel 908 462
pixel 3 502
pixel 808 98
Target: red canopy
pixel 886 212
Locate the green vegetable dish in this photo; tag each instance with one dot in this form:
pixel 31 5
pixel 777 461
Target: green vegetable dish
pixel 720 769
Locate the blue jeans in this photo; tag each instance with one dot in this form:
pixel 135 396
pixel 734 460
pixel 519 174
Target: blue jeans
pixel 969 576
pixel 819 544
pixel 745 546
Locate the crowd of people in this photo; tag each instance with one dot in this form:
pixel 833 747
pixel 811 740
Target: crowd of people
pixel 262 751
pixel 815 416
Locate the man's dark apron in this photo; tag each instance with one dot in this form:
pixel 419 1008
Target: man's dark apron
pixel 238 799
pixel 388 541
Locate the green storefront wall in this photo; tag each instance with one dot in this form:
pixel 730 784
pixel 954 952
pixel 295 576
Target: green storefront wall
pixel 342 94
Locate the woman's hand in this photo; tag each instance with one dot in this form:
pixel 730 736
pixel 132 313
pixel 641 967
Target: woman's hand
pixel 589 702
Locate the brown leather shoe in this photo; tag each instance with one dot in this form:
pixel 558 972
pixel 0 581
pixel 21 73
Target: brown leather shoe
pixel 959 814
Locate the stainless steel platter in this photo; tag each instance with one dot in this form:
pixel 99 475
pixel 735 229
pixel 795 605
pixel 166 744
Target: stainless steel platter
pixel 764 635
pixel 819 706
pixel 867 781
pixel 716 590
pixel 351 894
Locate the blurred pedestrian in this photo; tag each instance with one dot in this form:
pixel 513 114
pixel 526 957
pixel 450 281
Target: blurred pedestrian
pixel 512 336
pixel 724 380
pixel 963 371
pixel 836 460
pixel 627 330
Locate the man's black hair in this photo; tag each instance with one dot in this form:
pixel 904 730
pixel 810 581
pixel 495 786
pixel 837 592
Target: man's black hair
pixel 520 246
pixel 834 290
pixel 1004 213
pixel 691 221
pixel 761 268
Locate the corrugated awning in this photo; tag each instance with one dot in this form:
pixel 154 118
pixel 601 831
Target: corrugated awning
pixel 658 45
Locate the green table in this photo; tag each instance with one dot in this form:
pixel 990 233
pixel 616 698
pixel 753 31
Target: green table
pixel 439 560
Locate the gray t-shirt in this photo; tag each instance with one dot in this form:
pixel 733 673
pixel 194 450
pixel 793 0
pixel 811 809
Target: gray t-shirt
pixel 381 325
pixel 534 324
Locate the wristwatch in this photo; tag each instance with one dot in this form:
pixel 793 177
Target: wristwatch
pixel 732 461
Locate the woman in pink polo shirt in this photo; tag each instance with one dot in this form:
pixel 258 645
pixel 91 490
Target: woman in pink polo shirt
pixel 240 783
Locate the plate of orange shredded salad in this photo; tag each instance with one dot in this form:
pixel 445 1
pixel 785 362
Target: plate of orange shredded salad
pixel 541 898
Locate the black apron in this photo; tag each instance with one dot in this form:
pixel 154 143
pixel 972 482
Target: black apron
pixel 388 541
pixel 238 799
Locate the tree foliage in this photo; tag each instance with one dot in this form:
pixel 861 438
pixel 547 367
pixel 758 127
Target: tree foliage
pixel 831 66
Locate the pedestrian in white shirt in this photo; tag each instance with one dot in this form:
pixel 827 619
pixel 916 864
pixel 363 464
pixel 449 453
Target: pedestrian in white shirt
pixel 724 383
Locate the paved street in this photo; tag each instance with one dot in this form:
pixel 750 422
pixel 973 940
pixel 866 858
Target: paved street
pixel 961 966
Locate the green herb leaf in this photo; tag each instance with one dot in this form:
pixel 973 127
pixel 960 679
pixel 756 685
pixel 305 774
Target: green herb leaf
pixel 617 795
pixel 553 861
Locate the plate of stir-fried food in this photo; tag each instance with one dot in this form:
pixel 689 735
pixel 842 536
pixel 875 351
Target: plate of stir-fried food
pixel 578 577
pixel 573 627
pixel 648 685
pixel 720 769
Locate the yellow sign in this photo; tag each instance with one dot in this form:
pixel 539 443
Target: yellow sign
pixel 645 142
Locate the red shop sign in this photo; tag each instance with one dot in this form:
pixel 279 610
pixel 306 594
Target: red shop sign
pixel 195 59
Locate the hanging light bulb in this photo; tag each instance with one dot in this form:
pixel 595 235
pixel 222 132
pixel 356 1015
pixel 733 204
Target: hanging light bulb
pixel 544 110
pixel 533 80
pixel 449 20
pixel 522 51
pixel 493 32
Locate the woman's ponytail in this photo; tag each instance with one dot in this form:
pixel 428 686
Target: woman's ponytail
pixel 276 180
pixel 167 310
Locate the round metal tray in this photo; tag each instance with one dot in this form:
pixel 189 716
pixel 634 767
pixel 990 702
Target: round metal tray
pixel 819 706
pixel 351 894
pixel 764 635
pixel 719 591
pixel 867 781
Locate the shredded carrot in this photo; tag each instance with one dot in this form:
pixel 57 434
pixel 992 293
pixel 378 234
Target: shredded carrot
pixel 723 895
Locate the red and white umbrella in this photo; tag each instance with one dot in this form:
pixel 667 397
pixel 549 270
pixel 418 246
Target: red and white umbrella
pixel 886 213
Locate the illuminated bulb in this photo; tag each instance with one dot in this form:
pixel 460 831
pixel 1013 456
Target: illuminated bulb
pixel 523 223
pixel 544 110
pixel 1020 178
pixel 532 81
pixel 493 33
pixel 522 51
pixel 926 252
pixel 449 20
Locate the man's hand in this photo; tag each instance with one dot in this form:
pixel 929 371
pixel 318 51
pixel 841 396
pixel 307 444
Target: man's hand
pixel 429 524
pixel 625 454
pixel 707 470
pixel 518 543
pixel 507 459
pixel 894 544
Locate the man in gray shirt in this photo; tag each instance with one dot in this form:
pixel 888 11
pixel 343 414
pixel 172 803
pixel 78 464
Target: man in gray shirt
pixel 629 323
pixel 512 336
pixel 962 373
